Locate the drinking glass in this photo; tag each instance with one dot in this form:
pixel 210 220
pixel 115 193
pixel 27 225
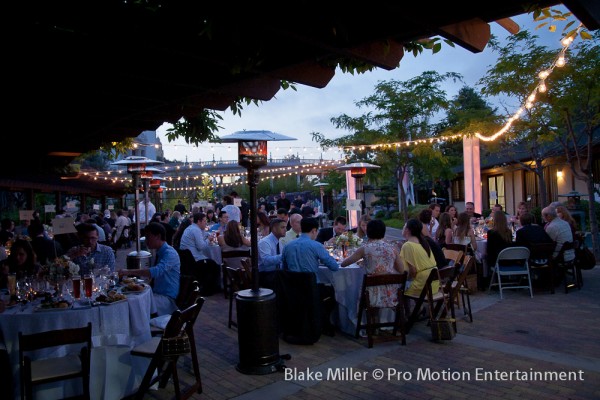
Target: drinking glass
pixel 88 285
pixel 12 284
pixel 76 279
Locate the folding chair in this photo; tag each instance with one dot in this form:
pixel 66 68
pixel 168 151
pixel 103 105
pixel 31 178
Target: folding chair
pixel 513 262
pixel 569 268
pixel 231 259
pixel 37 372
pixel 540 263
pixel 167 349
pixel 397 282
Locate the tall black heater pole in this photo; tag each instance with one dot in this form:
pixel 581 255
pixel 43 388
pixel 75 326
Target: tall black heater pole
pixel 253 177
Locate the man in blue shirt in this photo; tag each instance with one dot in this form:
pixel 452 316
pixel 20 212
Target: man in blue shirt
pixel 166 271
pixel 90 254
pixel 305 254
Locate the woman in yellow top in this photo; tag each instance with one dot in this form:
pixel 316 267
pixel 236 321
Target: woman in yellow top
pixel 416 257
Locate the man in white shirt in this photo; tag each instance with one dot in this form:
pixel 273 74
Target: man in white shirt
pixel 196 239
pixel 269 253
pixel 294 232
pixel 145 213
pixel 231 210
pixel 559 231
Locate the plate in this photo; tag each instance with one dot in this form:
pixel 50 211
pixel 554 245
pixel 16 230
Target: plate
pixel 126 290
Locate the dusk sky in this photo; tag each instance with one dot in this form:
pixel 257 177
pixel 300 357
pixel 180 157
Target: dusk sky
pixel 298 113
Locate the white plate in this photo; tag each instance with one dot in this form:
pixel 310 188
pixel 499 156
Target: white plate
pixel 109 303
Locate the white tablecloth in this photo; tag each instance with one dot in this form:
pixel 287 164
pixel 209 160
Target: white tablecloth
pixel 214 253
pixel 347 283
pixel 482 255
pixel 115 329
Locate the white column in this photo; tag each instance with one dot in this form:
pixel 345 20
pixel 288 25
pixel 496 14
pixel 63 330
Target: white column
pixel 472 171
pixel 351 194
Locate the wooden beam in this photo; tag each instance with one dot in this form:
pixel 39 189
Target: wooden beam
pixel 511 26
pixel 386 55
pixel 259 88
pixel 307 73
pixel 472 35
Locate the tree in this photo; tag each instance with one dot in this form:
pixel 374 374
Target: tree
pixel 398 111
pixel 573 101
pixel 564 117
pixel 515 75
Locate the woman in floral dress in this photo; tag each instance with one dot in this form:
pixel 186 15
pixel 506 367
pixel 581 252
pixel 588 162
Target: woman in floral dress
pixel 379 257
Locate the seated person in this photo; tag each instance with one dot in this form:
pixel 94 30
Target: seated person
pixel 329 234
pixel 304 255
pixel 530 233
pixel 165 272
pixel 270 253
pixel 21 261
pixel 90 254
pixel 499 237
pixel 417 258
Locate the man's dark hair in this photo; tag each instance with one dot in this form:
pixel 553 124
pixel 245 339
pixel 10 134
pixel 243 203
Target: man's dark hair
pixel 233 194
pixel 156 228
pixel 340 220
pixel 282 211
pixel 527 219
pixel 85 228
pixel 199 216
pixel 432 206
pixel 308 224
pixel 227 199
pixel 274 222
pixel 425 216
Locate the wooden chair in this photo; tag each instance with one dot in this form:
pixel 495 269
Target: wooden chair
pixel 231 259
pixel 461 286
pixel 189 291
pixel 453 257
pixel 421 298
pixel 70 366
pixel 163 365
pixel 238 280
pixel 372 312
pixel 513 262
pixel 299 307
pixel 540 262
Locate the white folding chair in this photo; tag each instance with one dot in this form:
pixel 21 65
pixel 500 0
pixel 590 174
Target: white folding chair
pixel 513 262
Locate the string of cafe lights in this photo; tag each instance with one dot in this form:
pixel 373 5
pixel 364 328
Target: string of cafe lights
pixel 559 61
pixel 120 176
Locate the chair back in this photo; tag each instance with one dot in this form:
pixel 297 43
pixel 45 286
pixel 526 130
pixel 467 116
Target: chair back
pixel 298 306
pixel 187 262
pixel 56 368
pixel 519 253
pixel 453 257
pixel 233 258
pixel 541 253
pixel 238 279
pixel 189 290
pixel 391 282
pixel 182 319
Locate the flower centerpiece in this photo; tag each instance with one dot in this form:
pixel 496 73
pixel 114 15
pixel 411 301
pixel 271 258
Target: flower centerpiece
pixel 348 239
pixel 60 268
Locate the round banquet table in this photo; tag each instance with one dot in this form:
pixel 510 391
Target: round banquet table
pixel 116 328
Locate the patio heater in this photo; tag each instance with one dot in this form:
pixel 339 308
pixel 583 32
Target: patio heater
pixel 358 170
pixel 321 186
pixel 256 307
pixel 137 166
